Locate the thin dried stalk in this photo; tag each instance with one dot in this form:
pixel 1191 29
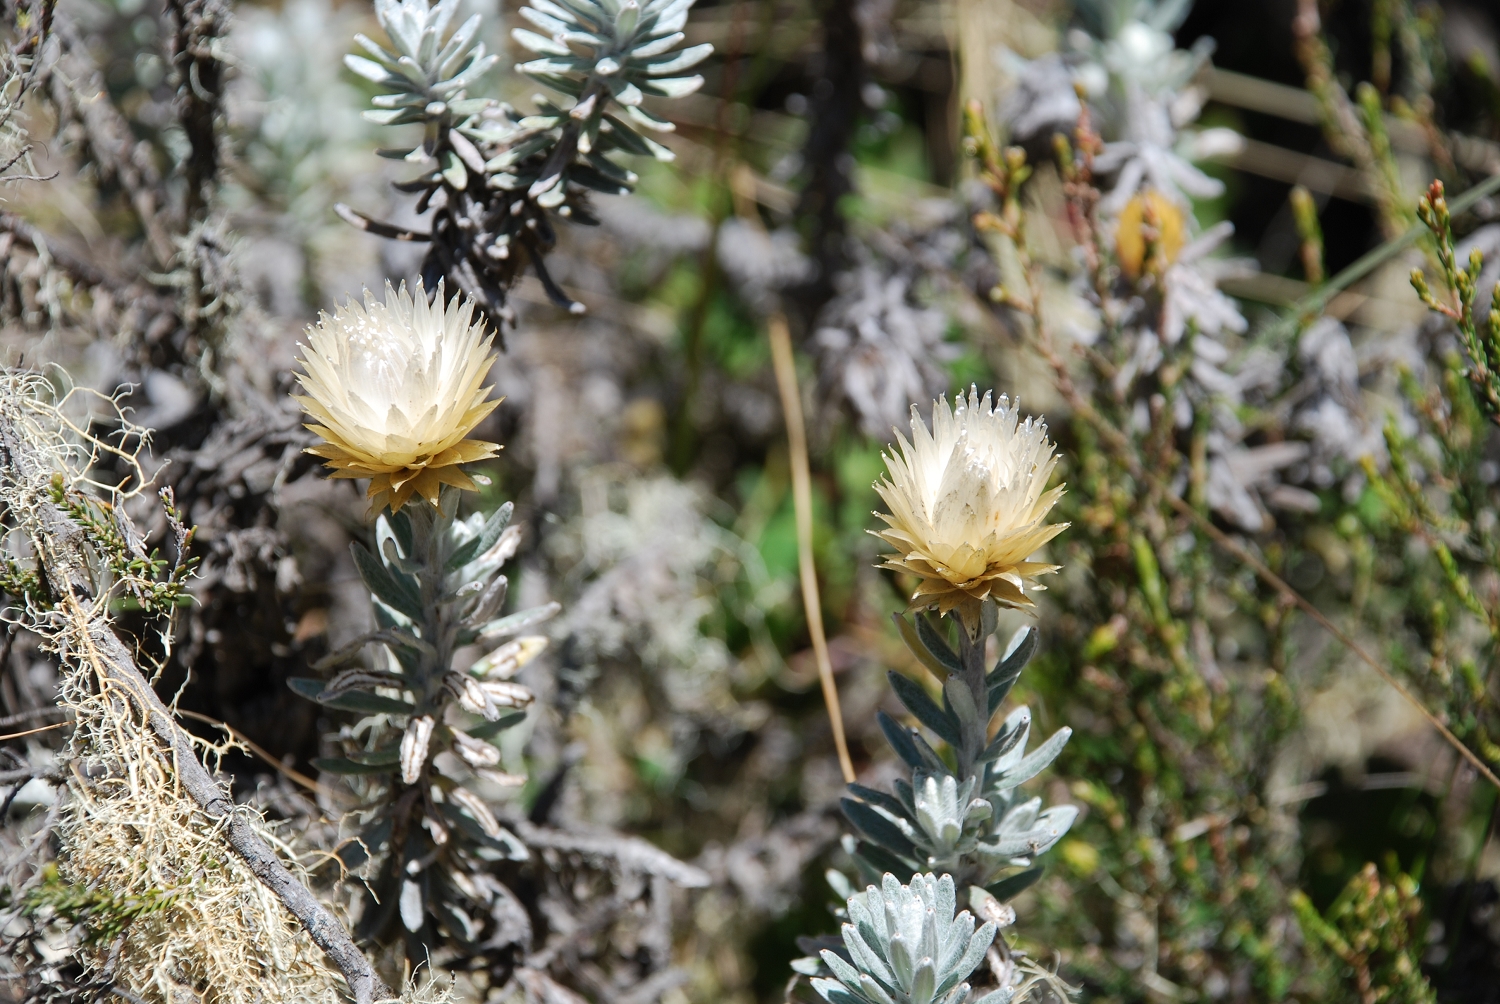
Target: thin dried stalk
pixel 796 435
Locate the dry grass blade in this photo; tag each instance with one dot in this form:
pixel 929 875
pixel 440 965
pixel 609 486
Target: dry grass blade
pixel 796 434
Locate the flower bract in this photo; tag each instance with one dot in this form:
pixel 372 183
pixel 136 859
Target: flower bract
pixel 968 505
pixel 394 387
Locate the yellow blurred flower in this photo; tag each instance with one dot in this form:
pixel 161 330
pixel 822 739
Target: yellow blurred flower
pixel 394 387
pixel 1169 226
pixel 968 506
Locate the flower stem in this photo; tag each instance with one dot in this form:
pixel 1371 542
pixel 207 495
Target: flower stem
pixel 796 435
pixel 972 733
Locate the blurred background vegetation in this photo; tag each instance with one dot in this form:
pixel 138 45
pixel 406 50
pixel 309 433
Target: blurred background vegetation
pixel 1239 769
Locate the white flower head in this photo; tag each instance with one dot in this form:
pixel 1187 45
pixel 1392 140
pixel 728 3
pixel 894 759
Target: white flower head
pixel 394 387
pixel 968 505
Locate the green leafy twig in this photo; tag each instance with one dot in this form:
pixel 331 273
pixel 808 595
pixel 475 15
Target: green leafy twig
pixel 151 582
pixel 1370 934
pixel 1481 341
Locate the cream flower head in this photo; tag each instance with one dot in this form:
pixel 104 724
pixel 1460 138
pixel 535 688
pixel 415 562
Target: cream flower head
pixel 395 386
pixel 967 505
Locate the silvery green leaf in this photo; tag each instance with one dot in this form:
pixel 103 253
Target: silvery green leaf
pixel 454 171
pixel 480 543
pixel 961 703
pixel 843 970
pixel 684 60
pixel 1059 818
pixel 474 161
pixel 657 46
pixel 936 643
pixel 475 70
pixel 465 107
pixel 625 137
pixel 554 10
pixel 979 943
pixel 902 964
pixel 554 65
pixel 457 43
pixel 675 87
pixel 411 70
pixel 834 992
pixel 878 827
pixel 348 767
pixel 627 18
pixel 1037 760
pixel 443 12
pixel 586 176
pixel 874 992
pixel 625 93
pixel 489 730
pixel 540 122
pixel 1003 995
pixel 1017 726
pixel 406 100
pixel 611 170
pixel 923 984
pixel 428 46
pixel 585 38
pixel 879 798
pixel 390 550
pixel 415 744
pixel 506 627
pixel 589 12
pixel 924 708
pixel 1021 817
pixel 393 589
pixel 672 22
pixel 539 44
pixel 607 66
pixel 938 812
pixel 1013 885
pixel 1022 646
pixel 394 116
pixel 412 913
pixel 900 738
pixel 378 52
pixel 370 70
pixel 546 22
pixel 1049 829
pixel 644 118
